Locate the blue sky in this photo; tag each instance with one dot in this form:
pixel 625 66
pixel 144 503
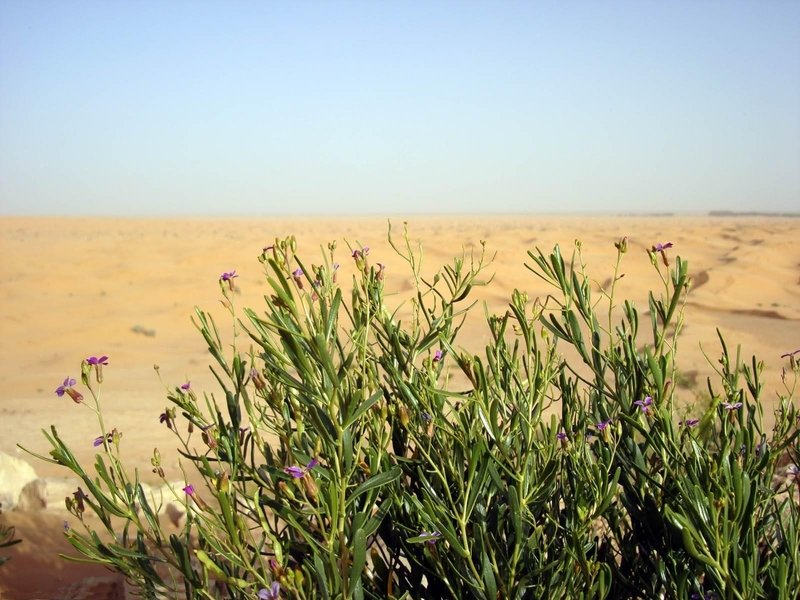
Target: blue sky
pixel 265 108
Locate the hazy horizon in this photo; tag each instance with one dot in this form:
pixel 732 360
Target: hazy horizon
pixel 154 109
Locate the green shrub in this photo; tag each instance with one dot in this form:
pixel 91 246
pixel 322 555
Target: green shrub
pixel 357 451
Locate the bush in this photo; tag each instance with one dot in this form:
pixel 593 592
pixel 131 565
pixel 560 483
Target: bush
pixel 357 451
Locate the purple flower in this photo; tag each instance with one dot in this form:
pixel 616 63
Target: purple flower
pixel 689 422
pixel 168 416
pixel 426 417
pixel 78 500
pixel 661 247
pixel 433 537
pixel 66 388
pixel 228 278
pixel 62 389
pixel 793 470
pixel 602 425
pixel 644 405
pixel 188 489
pixel 437 356
pixel 98 441
pixel 300 472
pixel 297 275
pixel 296 472
pixel 93 360
pixel 273 593
pixel 185 387
pixel 732 406
pixel 562 435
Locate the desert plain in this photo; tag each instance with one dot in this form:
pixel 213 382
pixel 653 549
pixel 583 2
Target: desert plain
pixel 75 287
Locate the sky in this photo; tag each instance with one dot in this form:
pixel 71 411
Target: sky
pixel 172 108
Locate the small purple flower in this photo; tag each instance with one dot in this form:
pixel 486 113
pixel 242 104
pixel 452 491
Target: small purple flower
pixel 300 472
pixel 66 388
pixel 433 537
pixel 273 593
pixel 793 470
pixel 228 278
pixel 602 425
pixel 185 387
pixel 98 441
pixel 437 356
pixel 661 249
pixel 297 275
pixel 62 389
pixel 188 489
pixel 644 405
pixel 66 526
pixel 296 472
pixel 167 417
pixel 79 496
pixel 562 435
pixel 94 360
pixel 732 406
pixel 690 422
pixel 426 417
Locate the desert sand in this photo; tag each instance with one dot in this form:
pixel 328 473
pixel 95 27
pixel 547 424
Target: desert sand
pixel 127 288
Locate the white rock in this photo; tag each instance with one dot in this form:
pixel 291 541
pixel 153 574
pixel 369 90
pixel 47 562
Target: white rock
pixel 33 496
pixel 15 474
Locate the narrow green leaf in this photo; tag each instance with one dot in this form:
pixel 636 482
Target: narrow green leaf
pixel 359 557
pixel 375 481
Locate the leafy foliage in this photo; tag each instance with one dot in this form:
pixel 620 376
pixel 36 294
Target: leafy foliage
pixel 354 454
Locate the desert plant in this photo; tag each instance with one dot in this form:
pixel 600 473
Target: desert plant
pixel 356 450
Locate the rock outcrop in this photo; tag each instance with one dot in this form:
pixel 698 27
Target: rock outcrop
pixel 15 475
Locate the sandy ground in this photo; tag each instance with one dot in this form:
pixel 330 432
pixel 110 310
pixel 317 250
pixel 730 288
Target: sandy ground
pixel 71 288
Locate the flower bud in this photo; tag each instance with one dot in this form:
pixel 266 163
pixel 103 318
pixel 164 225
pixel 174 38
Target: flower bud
pixel 311 487
pixel 402 414
pixel 258 380
pixel 222 482
pixel 285 490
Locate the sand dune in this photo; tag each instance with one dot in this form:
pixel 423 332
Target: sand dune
pixel 127 288
pixel 74 287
